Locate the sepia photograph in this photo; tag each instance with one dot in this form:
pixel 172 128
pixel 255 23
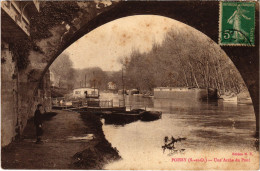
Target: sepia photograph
pixel 129 85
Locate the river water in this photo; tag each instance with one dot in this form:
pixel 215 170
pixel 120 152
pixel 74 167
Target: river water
pixel 205 125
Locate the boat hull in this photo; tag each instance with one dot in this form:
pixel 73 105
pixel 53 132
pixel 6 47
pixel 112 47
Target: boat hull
pixel 150 115
pixel 185 93
pixel 120 118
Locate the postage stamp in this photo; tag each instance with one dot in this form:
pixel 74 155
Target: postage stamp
pixel 237 23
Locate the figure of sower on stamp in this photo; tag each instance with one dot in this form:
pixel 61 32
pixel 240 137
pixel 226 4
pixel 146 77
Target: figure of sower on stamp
pixel 235 20
pixel 237 23
pixel 38 123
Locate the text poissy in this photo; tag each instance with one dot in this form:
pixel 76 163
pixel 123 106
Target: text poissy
pixel 179 159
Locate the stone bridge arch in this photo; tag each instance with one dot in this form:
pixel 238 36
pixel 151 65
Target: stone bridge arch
pixel 86 16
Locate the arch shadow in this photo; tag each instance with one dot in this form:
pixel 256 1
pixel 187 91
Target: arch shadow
pixel 201 15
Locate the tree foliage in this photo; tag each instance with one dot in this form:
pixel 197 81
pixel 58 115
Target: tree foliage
pixel 90 77
pixel 63 72
pixel 186 60
pixel 182 61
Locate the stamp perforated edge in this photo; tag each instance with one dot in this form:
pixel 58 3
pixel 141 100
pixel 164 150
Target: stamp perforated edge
pixel 220 26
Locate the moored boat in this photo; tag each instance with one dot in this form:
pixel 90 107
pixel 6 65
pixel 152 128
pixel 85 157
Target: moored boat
pixel 137 110
pixel 244 98
pixel 185 93
pixel 150 115
pixel 138 95
pixel 229 98
pixel 133 92
pixel 148 96
pixel 120 117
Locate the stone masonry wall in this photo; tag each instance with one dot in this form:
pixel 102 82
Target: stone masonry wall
pixel 18 101
pixel 8 95
pixel 28 99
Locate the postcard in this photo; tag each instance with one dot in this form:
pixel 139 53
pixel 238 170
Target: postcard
pixel 130 85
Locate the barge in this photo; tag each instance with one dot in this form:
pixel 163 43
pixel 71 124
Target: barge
pixel 185 93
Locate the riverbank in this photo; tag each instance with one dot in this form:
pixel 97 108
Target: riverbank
pixel 100 152
pixel 71 141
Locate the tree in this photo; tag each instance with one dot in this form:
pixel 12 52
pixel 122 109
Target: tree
pixel 63 71
pixel 184 59
pixel 90 77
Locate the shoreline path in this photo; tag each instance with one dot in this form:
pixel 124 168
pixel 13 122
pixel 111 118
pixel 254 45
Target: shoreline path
pixel 59 150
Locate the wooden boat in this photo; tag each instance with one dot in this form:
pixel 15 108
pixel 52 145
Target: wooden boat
pixel 147 96
pixel 120 118
pixel 231 98
pixel 138 95
pixel 244 98
pixel 133 92
pixel 150 115
pixel 247 101
pixel 137 111
pixel 103 109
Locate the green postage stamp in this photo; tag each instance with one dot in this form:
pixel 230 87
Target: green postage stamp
pixel 237 23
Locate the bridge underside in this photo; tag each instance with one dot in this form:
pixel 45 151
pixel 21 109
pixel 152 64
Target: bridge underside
pixel 203 16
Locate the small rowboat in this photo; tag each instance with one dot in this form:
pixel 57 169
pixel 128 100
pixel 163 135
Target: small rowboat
pixel 150 115
pixel 229 98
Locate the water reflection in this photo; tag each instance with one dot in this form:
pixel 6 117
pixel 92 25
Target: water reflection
pixel 206 125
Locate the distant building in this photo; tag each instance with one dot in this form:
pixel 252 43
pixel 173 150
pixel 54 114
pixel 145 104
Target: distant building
pixel 112 86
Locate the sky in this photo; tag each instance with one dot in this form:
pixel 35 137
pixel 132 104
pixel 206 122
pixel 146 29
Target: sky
pixel 104 46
